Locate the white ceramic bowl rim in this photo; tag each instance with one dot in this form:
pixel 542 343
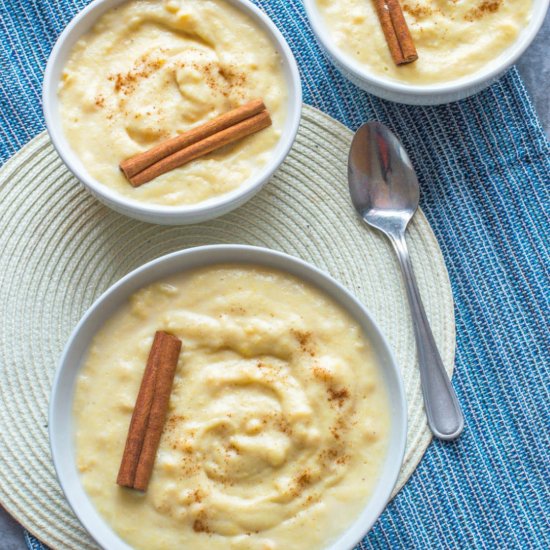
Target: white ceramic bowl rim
pixel 60 407
pixel 490 71
pixel 195 211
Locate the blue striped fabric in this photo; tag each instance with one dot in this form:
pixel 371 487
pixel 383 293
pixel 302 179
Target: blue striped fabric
pixel 484 168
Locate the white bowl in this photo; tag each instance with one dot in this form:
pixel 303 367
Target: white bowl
pixel 154 213
pixel 61 403
pixel 432 94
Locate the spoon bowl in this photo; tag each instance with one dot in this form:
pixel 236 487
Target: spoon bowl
pixel 382 181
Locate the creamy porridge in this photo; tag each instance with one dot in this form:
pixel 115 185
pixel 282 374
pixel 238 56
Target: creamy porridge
pixel 453 39
pixel 150 70
pixel 277 424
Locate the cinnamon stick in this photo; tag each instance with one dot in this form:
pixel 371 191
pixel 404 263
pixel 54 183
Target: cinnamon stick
pixel 139 162
pixel 149 413
pixel 139 421
pixel 200 148
pixel 396 31
pixel 167 363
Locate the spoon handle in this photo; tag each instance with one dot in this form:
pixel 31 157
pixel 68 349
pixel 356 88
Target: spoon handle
pixel 442 407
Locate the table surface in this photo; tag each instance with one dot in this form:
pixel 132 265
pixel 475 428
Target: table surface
pixel 534 68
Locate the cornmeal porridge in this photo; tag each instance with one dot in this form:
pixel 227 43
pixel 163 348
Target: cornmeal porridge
pixel 150 70
pixel 453 39
pixel 278 420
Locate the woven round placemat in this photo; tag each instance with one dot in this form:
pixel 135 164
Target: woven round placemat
pixel 61 249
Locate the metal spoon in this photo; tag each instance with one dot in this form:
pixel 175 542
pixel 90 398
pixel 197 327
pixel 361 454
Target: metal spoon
pixel 385 192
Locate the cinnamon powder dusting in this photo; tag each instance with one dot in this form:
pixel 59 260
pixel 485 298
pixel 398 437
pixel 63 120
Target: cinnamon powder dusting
pixel 339 428
pixel 197 496
pixel 487 6
pixel 300 482
pixel 417 10
pixel 173 421
pixel 321 373
pixel 304 339
pixel 304 479
pixel 339 396
pixel 200 525
pixel 144 67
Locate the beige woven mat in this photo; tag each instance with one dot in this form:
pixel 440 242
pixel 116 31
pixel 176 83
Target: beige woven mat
pixel 60 249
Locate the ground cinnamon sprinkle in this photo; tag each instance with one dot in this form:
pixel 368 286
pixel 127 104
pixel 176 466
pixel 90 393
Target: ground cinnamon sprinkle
pixel 304 479
pixel 285 427
pixel 312 499
pixel 343 459
pixel 338 395
pixel 304 339
pixel 321 373
pixel 189 466
pixel 225 80
pixel 332 456
pixel 173 421
pixel 197 496
pixel 233 76
pixel 417 10
pixel 339 428
pixel 487 6
pixel 200 524
pixel 329 454
pixel 144 67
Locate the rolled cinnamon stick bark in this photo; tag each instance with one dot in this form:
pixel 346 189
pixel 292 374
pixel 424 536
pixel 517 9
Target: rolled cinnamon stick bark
pixel 149 413
pixel 404 38
pixel 200 148
pixel 141 161
pixel 140 419
pixel 167 363
pixel 396 31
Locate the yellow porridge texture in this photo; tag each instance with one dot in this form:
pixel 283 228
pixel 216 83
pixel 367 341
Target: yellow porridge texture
pixel 277 425
pixel 150 70
pixel 454 38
